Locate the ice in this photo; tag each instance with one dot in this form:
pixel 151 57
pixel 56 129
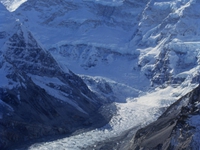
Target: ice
pixel 134 113
pixel 110 90
pixel 151 31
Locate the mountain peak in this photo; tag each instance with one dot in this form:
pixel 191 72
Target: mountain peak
pixel 27 54
pixel 12 5
pixel 139 55
pixel 35 91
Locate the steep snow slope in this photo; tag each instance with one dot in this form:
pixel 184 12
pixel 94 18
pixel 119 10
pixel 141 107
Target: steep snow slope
pixel 86 36
pixel 12 5
pixel 166 53
pixel 89 35
pixel 38 97
pixel 81 22
pixel 134 44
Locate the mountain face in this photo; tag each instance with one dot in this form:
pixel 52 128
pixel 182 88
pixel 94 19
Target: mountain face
pixel 38 97
pixel 177 128
pixel 175 38
pixel 82 20
pixel 157 38
pixel 139 55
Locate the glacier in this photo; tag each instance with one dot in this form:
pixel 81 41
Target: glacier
pixel 135 113
pixel 138 56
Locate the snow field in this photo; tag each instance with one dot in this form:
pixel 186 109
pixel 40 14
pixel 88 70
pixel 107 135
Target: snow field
pixel 12 5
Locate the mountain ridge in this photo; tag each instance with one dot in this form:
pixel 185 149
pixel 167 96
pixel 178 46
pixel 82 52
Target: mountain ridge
pixel 39 98
pixel 128 54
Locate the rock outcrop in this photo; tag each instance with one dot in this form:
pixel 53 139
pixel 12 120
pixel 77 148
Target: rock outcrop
pixel 173 130
pixel 37 97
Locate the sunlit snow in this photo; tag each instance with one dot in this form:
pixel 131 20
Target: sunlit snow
pixel 12 5
pixel 136 109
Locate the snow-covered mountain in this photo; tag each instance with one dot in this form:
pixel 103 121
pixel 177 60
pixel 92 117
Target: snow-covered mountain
pixel 126 51
pixel 37 96
pixel 148 34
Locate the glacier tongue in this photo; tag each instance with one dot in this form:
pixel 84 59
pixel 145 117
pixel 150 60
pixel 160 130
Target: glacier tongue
pixel 164 56
pixel 150 48
pixel 135 113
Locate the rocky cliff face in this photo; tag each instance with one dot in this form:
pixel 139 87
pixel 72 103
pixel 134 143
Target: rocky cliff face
pixel 38 97
pixel 122 50
pixel 176 129
pixel 87 21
